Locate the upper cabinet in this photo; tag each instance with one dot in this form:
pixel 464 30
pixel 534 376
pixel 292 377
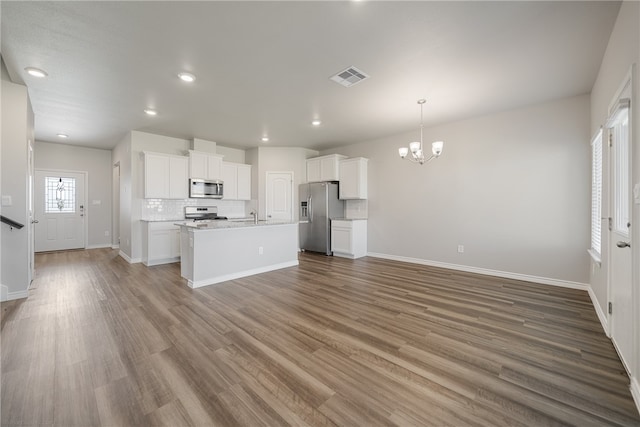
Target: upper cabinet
pixel 205 165
pixel 165 176
pixel 353 178
pixel 237 181
pixel 324 168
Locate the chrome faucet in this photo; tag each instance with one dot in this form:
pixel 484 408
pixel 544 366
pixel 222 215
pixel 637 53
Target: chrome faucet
pixel 255 216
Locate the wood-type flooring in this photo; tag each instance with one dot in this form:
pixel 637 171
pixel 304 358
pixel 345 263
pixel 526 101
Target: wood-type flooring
pixel 365 342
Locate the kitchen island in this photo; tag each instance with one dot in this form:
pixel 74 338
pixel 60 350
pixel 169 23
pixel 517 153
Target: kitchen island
pixel 217 251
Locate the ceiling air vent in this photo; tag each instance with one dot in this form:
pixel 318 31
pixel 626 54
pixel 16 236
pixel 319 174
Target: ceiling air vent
pixel 349 77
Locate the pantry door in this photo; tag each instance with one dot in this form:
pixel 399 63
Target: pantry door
pixel 59 210
pixel 279 197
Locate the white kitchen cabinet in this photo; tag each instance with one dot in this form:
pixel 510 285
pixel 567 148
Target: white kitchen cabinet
pixel 244 182
pixel 324 168
pixel 205 165
pixel 161 242
pixel 349 238
pixel 353 178
pixel 237 181
pixel 165 176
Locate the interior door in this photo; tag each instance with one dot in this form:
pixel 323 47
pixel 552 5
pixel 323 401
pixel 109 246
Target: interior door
pixel 31 219
pixel 620 281
pixel 59 210
pixel 279 196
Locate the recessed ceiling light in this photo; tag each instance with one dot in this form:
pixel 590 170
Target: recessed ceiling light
pixel 265 139
pixel 62 135
pixel 36 72
pixel 150 112
pixel 187 77
pixel 316 122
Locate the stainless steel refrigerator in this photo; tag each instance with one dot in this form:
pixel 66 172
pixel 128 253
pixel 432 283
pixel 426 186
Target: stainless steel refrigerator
pixel 319 204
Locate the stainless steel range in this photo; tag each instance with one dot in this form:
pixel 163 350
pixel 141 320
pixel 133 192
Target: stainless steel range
pixel 202 213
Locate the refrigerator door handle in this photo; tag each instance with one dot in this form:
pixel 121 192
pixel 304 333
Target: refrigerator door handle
pixel 310 207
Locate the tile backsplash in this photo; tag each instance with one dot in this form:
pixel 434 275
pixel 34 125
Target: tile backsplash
pixel 166 209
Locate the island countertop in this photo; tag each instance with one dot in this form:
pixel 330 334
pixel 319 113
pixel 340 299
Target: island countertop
pixel 224 224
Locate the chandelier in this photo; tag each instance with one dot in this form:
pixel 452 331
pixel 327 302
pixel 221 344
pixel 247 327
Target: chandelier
pixel 417 154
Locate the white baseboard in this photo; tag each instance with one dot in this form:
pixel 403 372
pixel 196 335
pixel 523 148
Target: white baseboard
pixel 486 271
pixel 226 277
pixel 105 245
pixel 635 391
pixel 115 246
pixel 5 295
pixel 602 316
pixel 129 259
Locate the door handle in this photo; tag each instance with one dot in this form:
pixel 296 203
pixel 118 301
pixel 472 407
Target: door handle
pixel 622 244
pixel 34 221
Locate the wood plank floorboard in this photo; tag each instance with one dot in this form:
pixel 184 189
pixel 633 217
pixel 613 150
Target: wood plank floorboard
pixel 331 342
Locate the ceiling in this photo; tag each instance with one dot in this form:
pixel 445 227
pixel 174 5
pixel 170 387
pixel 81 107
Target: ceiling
pixel 263 68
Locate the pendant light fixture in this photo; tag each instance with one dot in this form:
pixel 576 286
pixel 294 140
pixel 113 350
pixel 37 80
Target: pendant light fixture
pixel 417 153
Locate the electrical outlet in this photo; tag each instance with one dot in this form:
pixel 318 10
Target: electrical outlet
pixel 260 250
pixel 106 233
pixel 460 249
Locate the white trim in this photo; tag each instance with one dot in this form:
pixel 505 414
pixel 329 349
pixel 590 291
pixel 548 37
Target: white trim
pixel 10 296
pixel 595 256
pixel 602 316
pixel 129 259
pixel 115 246
pixel 486 271
pixel 226 277
pixel 160 261
pixel 100 246
pixel 635 391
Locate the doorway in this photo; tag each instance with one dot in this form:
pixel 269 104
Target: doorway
pixel 622 326
pixel 60 213
pixel 279 196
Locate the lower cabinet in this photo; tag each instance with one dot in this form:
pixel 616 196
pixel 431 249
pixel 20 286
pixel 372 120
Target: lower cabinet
pixel 349 238
pixel 161 242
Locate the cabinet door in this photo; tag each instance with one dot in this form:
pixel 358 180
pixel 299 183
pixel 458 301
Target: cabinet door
pixel 230 178
pixel 341 239
pixel 198 165
pixel 179 178
pixel 156 176
pixel 329 169
pixel 214 167
pixel 244 182
pixel 313 170
pixel 353 179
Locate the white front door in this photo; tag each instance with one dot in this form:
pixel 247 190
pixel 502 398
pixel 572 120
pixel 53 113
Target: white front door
pixel 279 196
pixel 620 282
pixel 59 210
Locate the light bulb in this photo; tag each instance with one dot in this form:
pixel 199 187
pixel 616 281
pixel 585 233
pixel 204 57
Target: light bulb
pixel 436 148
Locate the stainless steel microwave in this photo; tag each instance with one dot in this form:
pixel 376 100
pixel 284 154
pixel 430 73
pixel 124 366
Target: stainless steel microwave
pixel 206 189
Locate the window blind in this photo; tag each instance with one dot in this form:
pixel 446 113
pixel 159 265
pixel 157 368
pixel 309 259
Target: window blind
pixel 596 193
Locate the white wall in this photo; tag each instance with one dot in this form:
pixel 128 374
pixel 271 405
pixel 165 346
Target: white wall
pixel 17 130
pixel 513 188
pixel 97 164
pixel 622 52
pixel 122 154
pixel 232 155
pixel 278 159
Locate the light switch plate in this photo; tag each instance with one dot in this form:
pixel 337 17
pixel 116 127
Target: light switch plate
pixel 636 193
pixel 6 201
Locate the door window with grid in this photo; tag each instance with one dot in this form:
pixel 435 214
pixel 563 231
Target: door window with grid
pixel 60 195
